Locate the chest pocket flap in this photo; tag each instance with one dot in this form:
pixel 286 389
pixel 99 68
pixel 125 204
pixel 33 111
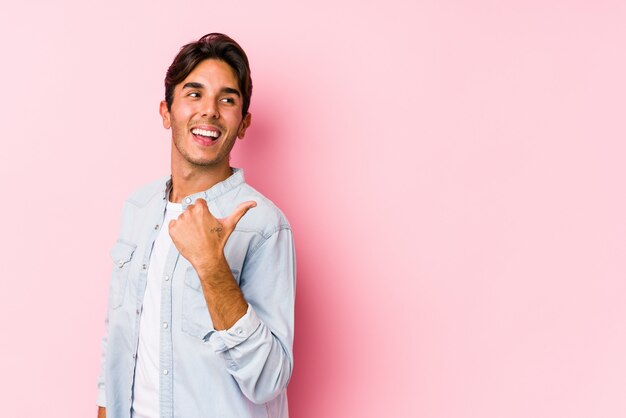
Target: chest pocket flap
pixel 121 254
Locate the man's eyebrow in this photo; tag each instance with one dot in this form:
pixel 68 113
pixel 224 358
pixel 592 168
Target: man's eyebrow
pixel 231 90
pixel 196 85
pixel 193 85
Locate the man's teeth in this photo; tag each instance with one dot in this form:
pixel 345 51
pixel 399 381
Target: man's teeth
pixel 202 132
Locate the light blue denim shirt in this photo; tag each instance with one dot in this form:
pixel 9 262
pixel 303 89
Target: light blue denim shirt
pixel 240 372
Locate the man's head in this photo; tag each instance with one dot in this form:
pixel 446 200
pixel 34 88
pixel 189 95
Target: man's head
pixel 216 46
pixel 207 96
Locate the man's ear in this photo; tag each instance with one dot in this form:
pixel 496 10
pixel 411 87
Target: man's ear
pixel 245 124
pixel 165 114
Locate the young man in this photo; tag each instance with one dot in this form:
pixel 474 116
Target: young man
pixel 201 301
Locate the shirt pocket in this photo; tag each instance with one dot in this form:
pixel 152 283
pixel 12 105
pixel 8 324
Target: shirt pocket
pixel 196 320
pixel 121 254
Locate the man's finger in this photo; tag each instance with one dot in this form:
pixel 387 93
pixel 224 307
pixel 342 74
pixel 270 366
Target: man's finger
pixel 199 205
pixel 237 214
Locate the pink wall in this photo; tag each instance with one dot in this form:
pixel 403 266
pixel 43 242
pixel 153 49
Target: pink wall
pixel 454 173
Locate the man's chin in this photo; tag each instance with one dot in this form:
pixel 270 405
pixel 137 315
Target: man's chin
pixel 205 162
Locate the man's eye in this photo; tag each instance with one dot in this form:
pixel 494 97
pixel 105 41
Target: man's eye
pixel 194 94
pixel 229 100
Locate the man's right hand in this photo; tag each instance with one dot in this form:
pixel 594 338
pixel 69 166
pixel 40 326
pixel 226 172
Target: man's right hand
pixel 102 412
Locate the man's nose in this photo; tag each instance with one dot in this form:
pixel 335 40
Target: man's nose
pixel 209 109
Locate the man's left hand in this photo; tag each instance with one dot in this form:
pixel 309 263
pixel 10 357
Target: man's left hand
pixel 200 237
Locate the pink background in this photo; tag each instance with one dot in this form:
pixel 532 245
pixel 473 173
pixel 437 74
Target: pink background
pixel 454 173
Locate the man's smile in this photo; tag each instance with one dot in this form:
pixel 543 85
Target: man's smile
pixel 206 135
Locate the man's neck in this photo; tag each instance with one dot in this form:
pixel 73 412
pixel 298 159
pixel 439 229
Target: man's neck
pixel 189 180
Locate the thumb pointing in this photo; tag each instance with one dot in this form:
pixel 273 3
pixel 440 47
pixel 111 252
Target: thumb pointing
pixel 238 213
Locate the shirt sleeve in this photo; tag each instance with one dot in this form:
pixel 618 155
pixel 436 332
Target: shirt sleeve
pixel 101 399
pixel 257 349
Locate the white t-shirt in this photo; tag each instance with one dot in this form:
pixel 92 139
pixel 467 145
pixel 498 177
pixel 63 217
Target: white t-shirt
pixel 146 387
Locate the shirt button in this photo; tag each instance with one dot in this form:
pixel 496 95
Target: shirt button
pixel 120 263
pixel 144 266
pixel 239 331
pixel 156 226
pixel 187 200
pixel 137 311
pixel 167 278
pixel 165 325
pixel 134 355
pixel 165 371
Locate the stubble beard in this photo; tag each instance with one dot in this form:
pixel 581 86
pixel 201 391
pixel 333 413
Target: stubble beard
pixel 222 154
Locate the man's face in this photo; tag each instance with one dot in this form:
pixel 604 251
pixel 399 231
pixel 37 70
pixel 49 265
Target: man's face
pixel 206 116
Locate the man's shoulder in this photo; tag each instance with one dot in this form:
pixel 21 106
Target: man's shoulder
pixel 144 194
pixel 265 217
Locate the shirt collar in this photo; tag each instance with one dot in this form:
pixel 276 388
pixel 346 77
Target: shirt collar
pixel 215 191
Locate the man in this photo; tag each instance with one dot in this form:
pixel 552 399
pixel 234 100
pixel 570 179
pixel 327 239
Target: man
pixel 200 313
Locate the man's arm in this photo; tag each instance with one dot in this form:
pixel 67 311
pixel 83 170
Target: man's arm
pixel 257 350
pixel 201 238
pixel 102 412
pixel 254 334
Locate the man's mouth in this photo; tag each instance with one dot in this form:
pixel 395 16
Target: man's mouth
pixel 206 136
pixel 206 133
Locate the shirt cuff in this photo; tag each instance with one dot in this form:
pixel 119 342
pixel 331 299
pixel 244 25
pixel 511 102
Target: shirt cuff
pixel 101 400
pixel 242 329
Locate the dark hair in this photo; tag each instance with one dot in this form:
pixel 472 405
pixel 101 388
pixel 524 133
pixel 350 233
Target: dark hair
pixel 212 45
